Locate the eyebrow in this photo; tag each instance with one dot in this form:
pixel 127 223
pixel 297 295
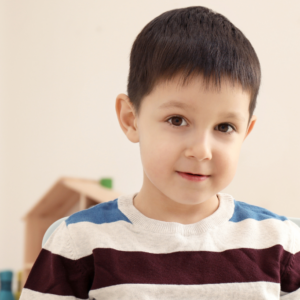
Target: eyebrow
pixel 234 116
pixel 174 103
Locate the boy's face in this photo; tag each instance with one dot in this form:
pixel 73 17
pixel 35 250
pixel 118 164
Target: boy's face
pixel 201 139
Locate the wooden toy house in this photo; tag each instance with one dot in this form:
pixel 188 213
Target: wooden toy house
pixel 66 196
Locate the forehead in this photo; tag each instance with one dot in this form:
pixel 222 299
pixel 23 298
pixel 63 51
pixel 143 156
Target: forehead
pixel 196 95
pixel 200 83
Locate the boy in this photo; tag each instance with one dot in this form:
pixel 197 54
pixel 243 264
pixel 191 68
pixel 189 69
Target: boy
pixel 192 88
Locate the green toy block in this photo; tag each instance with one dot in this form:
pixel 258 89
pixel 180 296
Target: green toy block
pixel 106 182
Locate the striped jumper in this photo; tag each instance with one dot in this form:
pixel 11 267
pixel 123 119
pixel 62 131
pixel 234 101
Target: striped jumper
pixel 112 251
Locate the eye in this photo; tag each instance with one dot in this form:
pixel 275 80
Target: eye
pixel 227 125
pixel 176 121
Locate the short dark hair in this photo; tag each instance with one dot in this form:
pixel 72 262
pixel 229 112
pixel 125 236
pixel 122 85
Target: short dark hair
pixel 192 41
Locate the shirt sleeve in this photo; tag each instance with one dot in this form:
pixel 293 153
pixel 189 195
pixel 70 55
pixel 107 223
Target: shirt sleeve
pixel 58 273
pixel 290 281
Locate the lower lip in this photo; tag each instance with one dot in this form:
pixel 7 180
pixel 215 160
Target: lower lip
pixel 192 177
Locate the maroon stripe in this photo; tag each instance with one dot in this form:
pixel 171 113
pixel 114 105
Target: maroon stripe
pixel 58 275
pixel 55 274
pixel 291 279
pixel 114 267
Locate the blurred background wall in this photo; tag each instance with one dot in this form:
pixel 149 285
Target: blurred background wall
pixel 62 64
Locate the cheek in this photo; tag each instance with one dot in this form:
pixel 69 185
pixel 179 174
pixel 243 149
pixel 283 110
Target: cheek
pixel 226 163
pixel 158 156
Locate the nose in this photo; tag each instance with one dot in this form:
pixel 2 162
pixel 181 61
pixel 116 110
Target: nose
pixel 199 147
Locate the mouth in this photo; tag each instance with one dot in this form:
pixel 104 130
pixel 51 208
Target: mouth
pixel 193 177
pixel 193 174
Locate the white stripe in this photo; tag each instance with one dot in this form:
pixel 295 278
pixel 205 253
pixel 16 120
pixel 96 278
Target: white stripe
pixel 291 296
pixel 124 236
pixel 28 294
pixel 224 291
pixel 60 242
pixel 232 291
pixel 296 232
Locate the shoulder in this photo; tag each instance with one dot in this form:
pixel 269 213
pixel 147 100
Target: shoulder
pixel 105 212
pixel 243 210
pixel 265 227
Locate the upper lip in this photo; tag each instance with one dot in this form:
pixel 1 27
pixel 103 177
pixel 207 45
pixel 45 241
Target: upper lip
pixel 194 173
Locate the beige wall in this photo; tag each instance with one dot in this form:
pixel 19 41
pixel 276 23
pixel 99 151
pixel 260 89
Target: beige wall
pixel 62 65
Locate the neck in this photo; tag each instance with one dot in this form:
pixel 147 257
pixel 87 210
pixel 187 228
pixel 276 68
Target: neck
pixel 159 207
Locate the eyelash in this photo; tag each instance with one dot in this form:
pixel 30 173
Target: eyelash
pixel 184 119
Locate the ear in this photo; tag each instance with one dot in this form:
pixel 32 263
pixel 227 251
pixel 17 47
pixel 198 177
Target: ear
pixel 251 125
pixel 126 116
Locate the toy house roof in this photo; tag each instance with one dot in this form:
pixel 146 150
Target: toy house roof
pixel 66 192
